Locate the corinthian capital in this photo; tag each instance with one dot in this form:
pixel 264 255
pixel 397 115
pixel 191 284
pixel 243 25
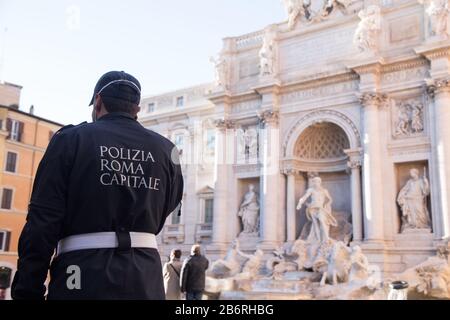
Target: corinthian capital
pixel 373 98
pixel 268 116
pixel 223 124
pixel 435 85
pixel 354 158
pixel 289 172
pixel 354 163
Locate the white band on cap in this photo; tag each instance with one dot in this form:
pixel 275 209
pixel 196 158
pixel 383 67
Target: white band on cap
pixel 121 80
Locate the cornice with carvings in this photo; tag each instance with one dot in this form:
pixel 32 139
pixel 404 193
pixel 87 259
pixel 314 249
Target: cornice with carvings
pixel 375 68
pixel 319 82
pixel 403 65
pixel 436 53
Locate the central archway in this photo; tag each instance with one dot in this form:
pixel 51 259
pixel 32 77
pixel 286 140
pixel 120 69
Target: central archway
pixel 322 141
pixel 316 117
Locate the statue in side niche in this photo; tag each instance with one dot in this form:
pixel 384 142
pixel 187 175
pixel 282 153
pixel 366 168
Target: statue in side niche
pixel 412 201
pixel 249 212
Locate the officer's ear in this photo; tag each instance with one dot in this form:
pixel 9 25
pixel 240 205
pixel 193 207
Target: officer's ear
pixel 135 110
pixel 98 103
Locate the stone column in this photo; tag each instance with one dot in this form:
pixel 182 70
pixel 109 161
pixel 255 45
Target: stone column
pixel 188 219
pixel 270 177
pixel 372 173
pixel 440 90
pixel 438 87
pixel 290 205
pixel 354 164
pixel 224 129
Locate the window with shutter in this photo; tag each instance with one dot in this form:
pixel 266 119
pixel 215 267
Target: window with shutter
pixel 209 210
pixel 180 101
pixel 5 237
pixel 20 135
pixel 175 217
pixel 15 129
pixel 9 127
pixel 11 162
pixel 7 195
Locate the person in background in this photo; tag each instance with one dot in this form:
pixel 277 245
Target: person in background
pixel 193 274
pixel 171 274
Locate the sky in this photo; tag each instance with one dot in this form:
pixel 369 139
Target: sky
pixel 58 49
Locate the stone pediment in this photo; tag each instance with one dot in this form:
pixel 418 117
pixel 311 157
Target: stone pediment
pixel 206 190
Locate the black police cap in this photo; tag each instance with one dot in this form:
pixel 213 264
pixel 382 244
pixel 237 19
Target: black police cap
pixel 118 85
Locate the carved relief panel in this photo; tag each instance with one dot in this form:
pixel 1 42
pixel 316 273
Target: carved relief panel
pixel 408 118
pixel 247 144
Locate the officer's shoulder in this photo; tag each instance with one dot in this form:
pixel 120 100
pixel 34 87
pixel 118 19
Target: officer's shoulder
pixel 70 128
pixel 165 142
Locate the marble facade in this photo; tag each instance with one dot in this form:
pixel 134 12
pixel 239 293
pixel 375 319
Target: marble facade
pixel 357 93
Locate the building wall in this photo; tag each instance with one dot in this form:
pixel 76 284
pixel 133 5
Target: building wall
pixel 191 121
pixel 9 94
pixel 30 150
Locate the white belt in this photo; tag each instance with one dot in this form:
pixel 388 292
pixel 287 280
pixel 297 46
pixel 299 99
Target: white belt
pixel 104 240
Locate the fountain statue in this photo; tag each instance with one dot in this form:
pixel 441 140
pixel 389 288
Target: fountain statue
pixel 318 211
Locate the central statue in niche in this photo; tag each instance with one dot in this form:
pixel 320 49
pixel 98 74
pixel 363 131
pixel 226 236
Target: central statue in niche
pixel 249 212
pixel 318 211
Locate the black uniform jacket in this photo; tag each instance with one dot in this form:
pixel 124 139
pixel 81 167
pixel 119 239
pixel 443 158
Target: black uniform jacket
pixel 110 175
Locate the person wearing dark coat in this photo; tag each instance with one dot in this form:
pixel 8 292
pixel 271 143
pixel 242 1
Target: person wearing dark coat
pixel 193 274
pixel 102 192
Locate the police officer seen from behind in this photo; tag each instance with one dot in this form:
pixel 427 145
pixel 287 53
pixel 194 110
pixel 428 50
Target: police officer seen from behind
pixel 102 192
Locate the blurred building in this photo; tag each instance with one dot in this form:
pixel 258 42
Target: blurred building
pixel 185 117
pixel 23 140
pixel 355 93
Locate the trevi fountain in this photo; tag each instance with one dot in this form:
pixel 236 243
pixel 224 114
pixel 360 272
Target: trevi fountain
pixel 317 164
